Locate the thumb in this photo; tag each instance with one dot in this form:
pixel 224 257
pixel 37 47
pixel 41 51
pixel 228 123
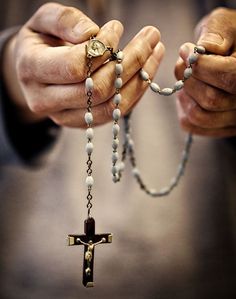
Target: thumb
pixel 66 23
pixel 216 31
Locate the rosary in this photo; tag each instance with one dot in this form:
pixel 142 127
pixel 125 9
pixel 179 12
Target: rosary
pixel 89 239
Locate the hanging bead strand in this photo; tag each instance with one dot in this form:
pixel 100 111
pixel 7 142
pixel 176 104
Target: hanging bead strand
pixel 117 168
pixel 89 135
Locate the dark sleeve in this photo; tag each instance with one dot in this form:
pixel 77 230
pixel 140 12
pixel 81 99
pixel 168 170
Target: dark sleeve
pixel 21 142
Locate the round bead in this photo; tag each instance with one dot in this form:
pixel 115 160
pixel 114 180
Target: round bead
pixel 115 143
pixel 188 72
pixel 155 87
pixel 144 75
pixel 119 69
pixel 89 133
pixel 192 58
pixel 120 56
pixel 179 85
pixel 118 83
pixel 200 49
pixel 164 191
pixel 114 170
pixel 174 181
pixel 89 148
pixel 166 91
pixel 153 192
pixel 117 99
pixel 114 157
pixel 88 118
pixel 121 166
pixel 116 114
pixel 131 144
pixel 135 172
pixel 115 178
pixel 115 130
pixel 89 84
pixel 89 181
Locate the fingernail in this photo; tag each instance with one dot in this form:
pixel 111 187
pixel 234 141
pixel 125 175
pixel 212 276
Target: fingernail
pixel 83 27
pixel 212 38
pixel 184 52
pixel 151 34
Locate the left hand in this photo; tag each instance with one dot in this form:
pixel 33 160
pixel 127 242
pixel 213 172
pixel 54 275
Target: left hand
pixel 207 104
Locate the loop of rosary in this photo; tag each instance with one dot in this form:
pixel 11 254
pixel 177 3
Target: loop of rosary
pixel 129 147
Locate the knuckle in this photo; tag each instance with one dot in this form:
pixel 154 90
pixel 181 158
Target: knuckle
pixel 228 80
pixel 102 89
pixel 211 101
pixel 195 115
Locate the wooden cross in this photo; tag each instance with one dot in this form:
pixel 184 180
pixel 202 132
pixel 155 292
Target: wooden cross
pixel 89 240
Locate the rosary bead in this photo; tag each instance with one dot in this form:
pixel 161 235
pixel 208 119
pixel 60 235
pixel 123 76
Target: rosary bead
pixel 114 170
pixel 164 191
pixel 135 172
pixel 88 118
pixel 89 133
pixel 200 49
pixel 115 143
pixel 114 157
pixel 89 84
pixel 155 87
pixel 144 75
pixel 192 58
pixel 179 85
pixel 115 130
pixel 115 178
pixel 116 114
pixel 89 148
pixel 117 99
pixel 119 69
pixel 188 73
pixel 121 166
pixel 131 144
pixel 118 83
pixel 166 91
pixel 120 56
pixel 89 181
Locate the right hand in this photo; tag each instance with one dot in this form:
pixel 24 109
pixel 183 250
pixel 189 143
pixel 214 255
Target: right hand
pixel 45 66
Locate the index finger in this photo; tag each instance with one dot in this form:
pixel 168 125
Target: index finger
pixel 63 64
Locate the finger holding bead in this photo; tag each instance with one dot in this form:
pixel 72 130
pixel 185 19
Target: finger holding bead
pixel 207 96
pixel 130 94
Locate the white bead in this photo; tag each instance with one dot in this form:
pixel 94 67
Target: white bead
pixel 89 148
pixel 89 133
pixel 117 99
pixel 144 75
pixel 119 69
pixel 115 157
pixel 188 72
pixel 135 172
pixel 179 85
pixel 118 83
pixel 115 143
pixel 166 91
pixel 121 166
pixel 115 130
pixel 200 49
pixel 89 84
pixel 192 58
pixel 116 114
pixel 120 56
pixel 155 87
pixel 114 170
pixel 89 181
pixel 88 118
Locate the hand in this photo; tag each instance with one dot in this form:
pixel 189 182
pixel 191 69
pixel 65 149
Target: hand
pixel 48 66
pixel 207 104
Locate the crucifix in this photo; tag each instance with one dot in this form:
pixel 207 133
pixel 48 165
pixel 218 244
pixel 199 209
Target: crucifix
pixel 89 240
